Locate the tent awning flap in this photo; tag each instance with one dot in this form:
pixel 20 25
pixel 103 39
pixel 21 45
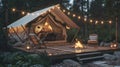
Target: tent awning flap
pixel 26 19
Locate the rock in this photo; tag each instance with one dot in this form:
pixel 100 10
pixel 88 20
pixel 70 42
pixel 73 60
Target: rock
pixel 26 64
pixel 105 65
pixel 99 62
pixel 116 66
pixel 111 62
pixel 109 57
pixel 118 62
pixel 117 54
pixel 91 65
pixel 9 65
pixel 36 65
pixel 71 63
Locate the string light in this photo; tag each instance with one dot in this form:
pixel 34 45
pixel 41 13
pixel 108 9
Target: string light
pixel 85 19
pixel 74 15
pixel 110 22
pixel 79 17
pixel 96 22
pixel 63 10
pixel 13 9
pixel 91 21
pixel 68 13
pixel 22 12
pixel 102 22
pixel 58 7
pixel 49 10
pixel 28 13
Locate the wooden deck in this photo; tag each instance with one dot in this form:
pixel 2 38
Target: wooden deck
pixel 59 52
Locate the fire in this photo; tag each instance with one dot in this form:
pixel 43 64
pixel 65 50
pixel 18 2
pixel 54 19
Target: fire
pixel 78 44
pixel 48 27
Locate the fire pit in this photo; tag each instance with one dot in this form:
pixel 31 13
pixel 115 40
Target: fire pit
pixel 78 45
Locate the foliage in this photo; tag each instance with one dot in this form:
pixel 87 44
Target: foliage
pixel 22 59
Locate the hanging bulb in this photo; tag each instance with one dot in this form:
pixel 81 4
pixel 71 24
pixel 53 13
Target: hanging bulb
pixel 91 21
pixel 110 22
pixel 85 19
pixel 58 7
pixel 22 12
pixel 68 13
pixel 102 22
pixel 79 17
pixel 13 9
pixel 28 13
pixel 96 22
pixel 63 10
pixel 74 15
pixel 49 10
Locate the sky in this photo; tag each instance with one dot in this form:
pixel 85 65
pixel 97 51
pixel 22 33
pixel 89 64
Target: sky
pixel 1 3
pixel 71 1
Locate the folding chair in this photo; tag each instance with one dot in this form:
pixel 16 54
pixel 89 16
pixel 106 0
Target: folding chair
pixel 36 40
pixel 93 40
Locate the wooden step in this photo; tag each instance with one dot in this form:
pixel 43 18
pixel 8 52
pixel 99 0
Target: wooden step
pixel 89 58
pixel 93 53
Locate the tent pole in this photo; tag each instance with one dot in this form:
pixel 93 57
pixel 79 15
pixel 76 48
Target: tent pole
pixel 16 34
pixel 10 34
pixel 75 35
pixel 24 29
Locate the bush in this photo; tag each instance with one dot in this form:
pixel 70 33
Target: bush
pixel 21 59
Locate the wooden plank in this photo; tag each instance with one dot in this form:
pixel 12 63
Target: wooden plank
pixel 90 58
pixel 88 53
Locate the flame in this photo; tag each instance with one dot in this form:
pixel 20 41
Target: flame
pixel 48 27
pixel 78 44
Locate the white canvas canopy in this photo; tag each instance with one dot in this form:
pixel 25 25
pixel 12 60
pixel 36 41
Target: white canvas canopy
pixel 26 19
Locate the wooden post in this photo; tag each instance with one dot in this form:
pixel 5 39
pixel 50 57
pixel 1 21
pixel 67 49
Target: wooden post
pixel 10 34
pixel 75 35
pixel 116 30
pixel 16 34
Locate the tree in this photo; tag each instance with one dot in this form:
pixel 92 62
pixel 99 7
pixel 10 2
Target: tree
pixel 3 30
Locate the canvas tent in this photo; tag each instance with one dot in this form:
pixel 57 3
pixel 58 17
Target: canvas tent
pixel 50 23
